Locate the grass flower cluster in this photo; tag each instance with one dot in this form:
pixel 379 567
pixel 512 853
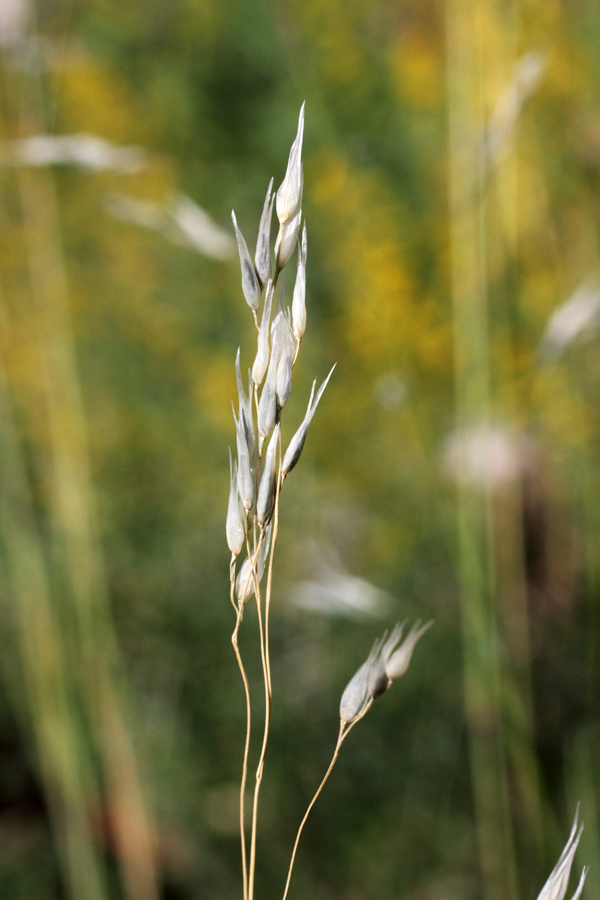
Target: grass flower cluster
pixel 257 476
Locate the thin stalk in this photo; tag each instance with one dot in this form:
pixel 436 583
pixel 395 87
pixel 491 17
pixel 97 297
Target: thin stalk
pixel 239 609
pixel 267 673
pixel 236 650
pixel 343 734
pixel 261 761
pixel 270 569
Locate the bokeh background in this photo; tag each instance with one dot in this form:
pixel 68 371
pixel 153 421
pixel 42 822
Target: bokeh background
pixel 452 471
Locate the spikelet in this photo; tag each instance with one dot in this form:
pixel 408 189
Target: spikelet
pixel 262 257
pixel 234 527
pixel 262 351
pixel 266 491
pixel 299 296
pixel 556 885
pixel 289 195
pixel 250 283
pixel 296 445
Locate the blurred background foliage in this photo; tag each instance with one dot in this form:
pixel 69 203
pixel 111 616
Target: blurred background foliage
pixel 452 200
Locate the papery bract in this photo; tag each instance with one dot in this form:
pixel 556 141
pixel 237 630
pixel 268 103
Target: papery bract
pixel 262 257
pixel 299 296
pixel 234 526
pixel 295 447
pixel 250 283
pixel 289 195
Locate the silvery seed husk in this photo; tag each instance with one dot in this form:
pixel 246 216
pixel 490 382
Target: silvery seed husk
pixel 262 351
pixel 398 662
pixel 245 406
pixel 299 296
pixel 234 526
pixel 262 257
pixel 245 478
pixel 558 881
pixel 392 642
pixel 283 384
pixel 250 283
pixel 267 405
pixel 244 583
pixel 377 680
pixel 292 454
pixel 284 349
pixel 356 694
pixel 289 195
pixel 286 240
pixel 355 697
pixel 266 491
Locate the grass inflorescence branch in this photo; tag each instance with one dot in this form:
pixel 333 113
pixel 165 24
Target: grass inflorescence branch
pixel 258 473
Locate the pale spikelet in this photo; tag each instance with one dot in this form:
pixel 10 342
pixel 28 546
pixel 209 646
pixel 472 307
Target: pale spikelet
pixel 245 474
pixel 283 353
pixel 579 888
pixel 356 693
pixel 379 680
pixel 556 885
pixel 286 240
pixel 355 697
pixel 234 527
pixel 245 407
pixel 289 195
pixel 299 297
pixel 398 662
pixel 262 257
pixel 296 445
pixel 262 352
pixel 250 283
pixel 266 491
pixel 244 584
pixel 267 406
